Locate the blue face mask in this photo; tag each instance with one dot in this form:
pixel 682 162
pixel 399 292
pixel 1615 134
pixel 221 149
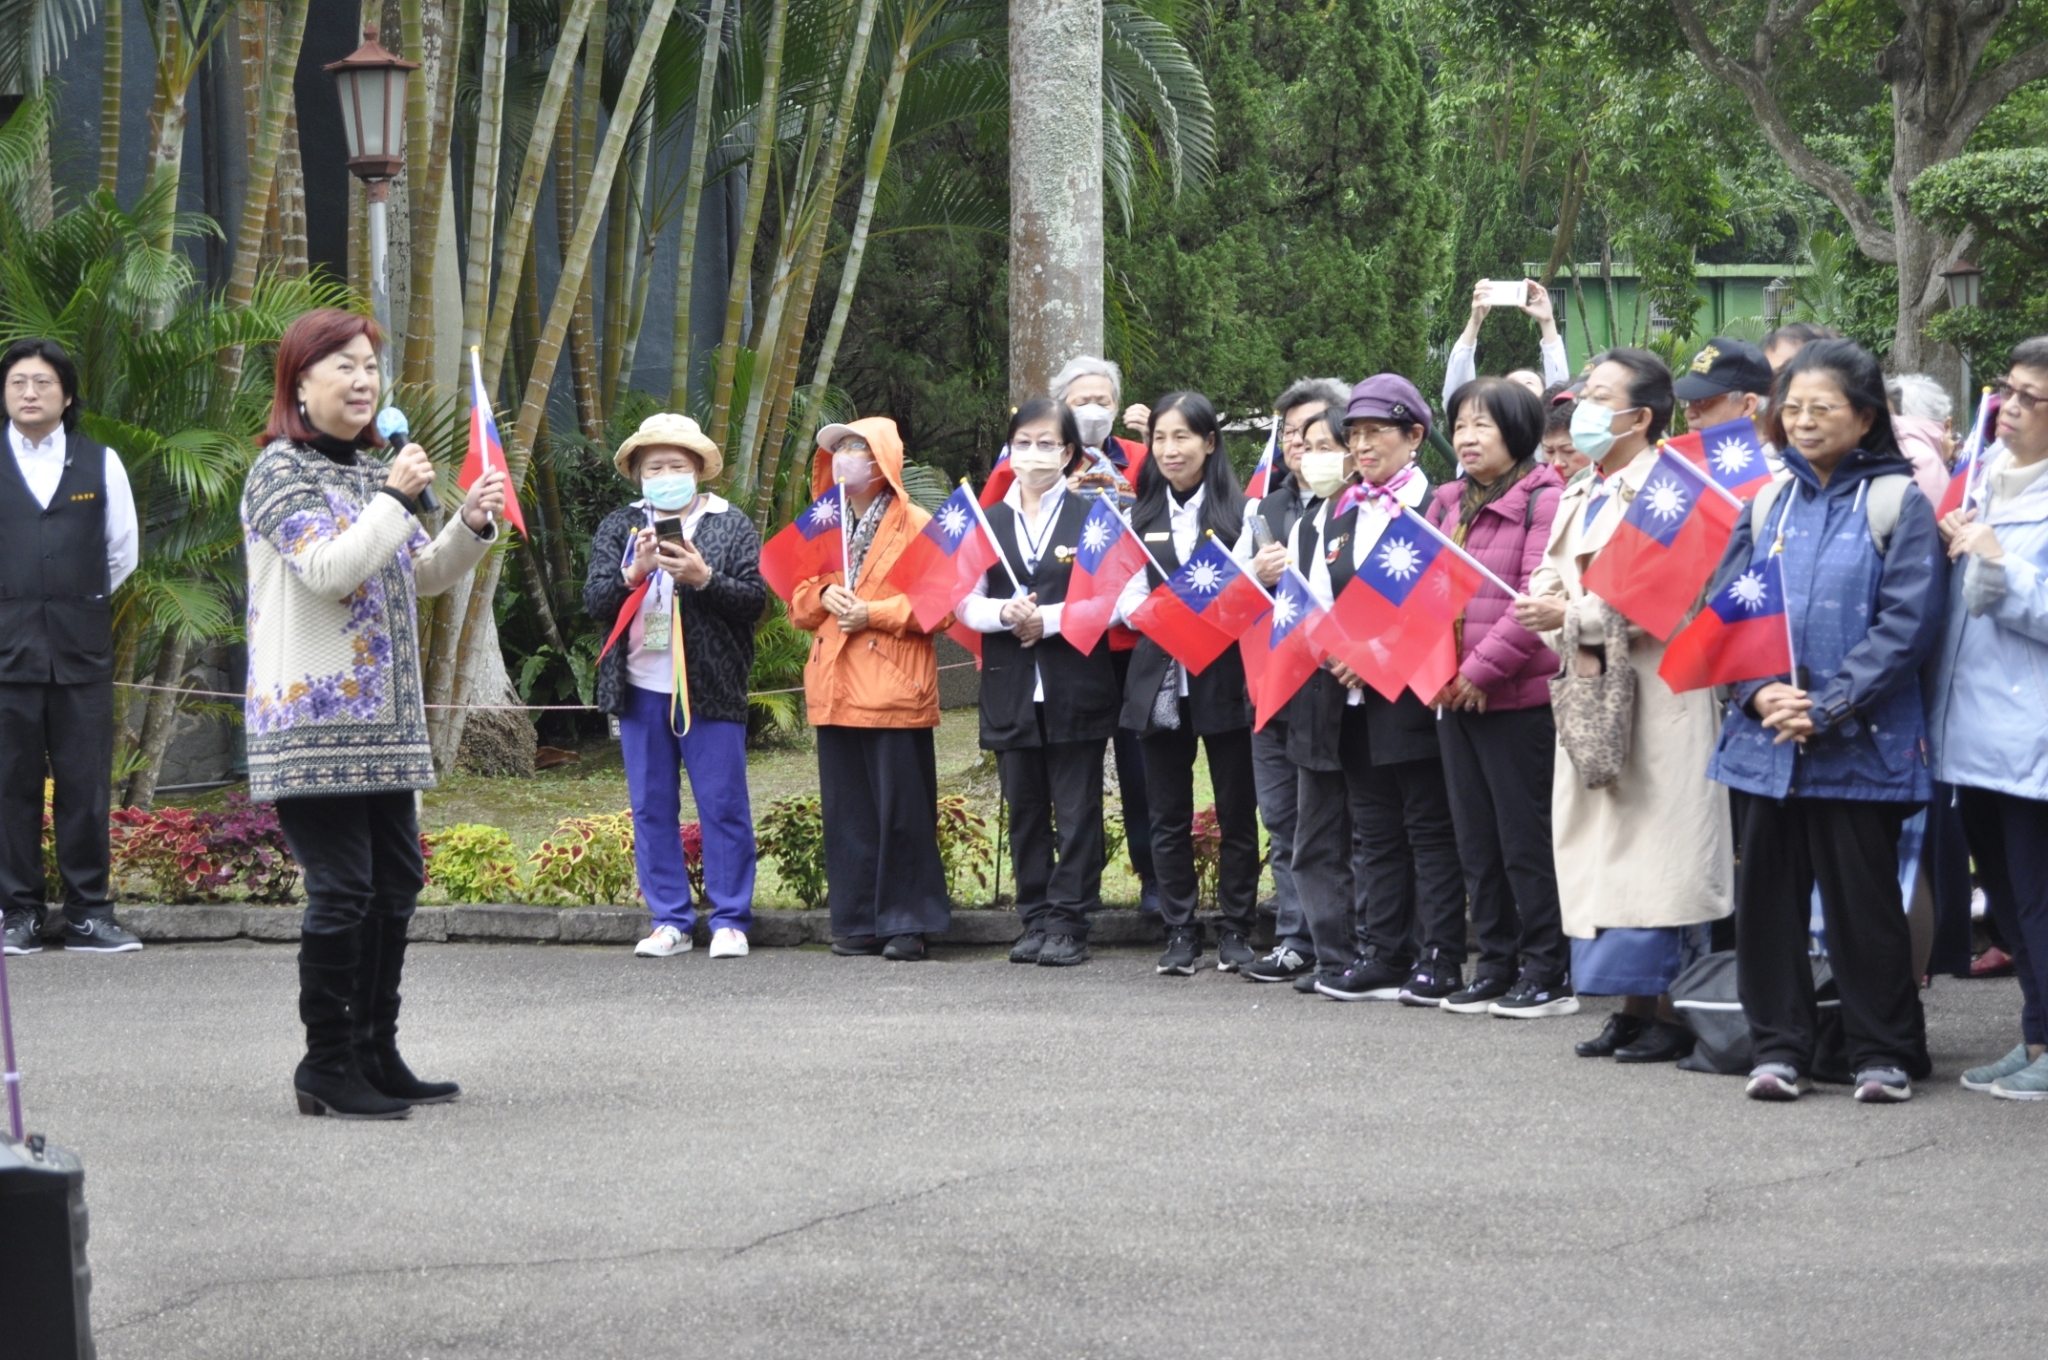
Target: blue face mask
pixel 1592 432
pixel 670 491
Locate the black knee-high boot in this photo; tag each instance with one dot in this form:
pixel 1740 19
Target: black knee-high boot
pixel 375 1017
pixel 328 1081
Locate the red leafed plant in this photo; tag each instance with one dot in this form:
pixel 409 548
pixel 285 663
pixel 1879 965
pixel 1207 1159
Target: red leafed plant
pixel 1208 837
pixel 693 856
pixel 193 855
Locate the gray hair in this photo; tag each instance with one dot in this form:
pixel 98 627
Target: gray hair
pixel 1334 393
pixel 1916 394
pixel 1088 366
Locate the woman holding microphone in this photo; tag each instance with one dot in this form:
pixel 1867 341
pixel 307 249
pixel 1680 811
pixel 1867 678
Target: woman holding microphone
pixel 336 721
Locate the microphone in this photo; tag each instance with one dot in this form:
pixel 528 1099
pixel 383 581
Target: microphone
pixel 392 424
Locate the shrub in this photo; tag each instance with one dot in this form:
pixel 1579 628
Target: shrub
pixel 473 863
pixel 188 855
pixel 775 711
pixel 792 833
pixel 964 848
pixel 1208 838
pixel 586 859
pixel 693 857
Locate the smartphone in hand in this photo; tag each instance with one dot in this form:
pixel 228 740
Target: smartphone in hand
pixel 1506 293
pixel 669 530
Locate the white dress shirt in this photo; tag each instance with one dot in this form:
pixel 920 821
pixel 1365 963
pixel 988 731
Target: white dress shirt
pixel 1034 534
pixel 1185 523
pixel 42 467
pixel 1463 366
pixel 656 670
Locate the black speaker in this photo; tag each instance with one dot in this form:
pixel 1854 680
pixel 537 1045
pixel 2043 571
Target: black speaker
pixel 46 1286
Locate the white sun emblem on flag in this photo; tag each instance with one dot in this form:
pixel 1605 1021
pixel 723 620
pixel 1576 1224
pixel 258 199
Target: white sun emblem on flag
pixel 1204 576
pixel 1095 536
pixel 1284 610
pixel 1731 456
pixel 953 520
pixel 1399 559
pixel 1749 591
pixel 825 512
pixel 1667 500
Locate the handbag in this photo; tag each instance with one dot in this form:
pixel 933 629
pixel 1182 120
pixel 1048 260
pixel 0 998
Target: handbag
pixel 1595 713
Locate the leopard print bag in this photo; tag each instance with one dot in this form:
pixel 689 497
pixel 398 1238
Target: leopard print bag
pixel 1595 713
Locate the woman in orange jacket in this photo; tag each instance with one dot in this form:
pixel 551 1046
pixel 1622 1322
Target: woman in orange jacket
pixel 872 688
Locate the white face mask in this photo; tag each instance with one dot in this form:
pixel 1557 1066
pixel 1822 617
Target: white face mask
pixel 1323 473
pixel 857 470
pixel 1094 422
pixel 1036 469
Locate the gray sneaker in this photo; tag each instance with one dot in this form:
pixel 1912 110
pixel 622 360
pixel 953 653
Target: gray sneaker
pixel 2029 1083
pixel 1980 1078
pixel 99 934
pixel 1883 1086
pixel 24 933
pixel 1776 1081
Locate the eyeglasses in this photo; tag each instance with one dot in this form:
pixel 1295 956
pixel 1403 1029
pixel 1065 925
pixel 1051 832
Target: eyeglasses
pixel 2012 396
pixel 1042 446
pixel 23 383
pixel 1820 410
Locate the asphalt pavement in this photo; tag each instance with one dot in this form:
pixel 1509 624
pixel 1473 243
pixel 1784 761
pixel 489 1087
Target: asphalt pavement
pixel 799 1155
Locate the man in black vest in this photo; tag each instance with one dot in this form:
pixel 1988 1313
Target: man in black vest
pixel 68 539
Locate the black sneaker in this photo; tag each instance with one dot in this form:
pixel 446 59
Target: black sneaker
pixel 24 933
pixel 1026 950
pixel 100 934
pixel 1284 964
pixel 1062 951
pixel 1183 954
pixel 1529 999
pixel 855 946
pixel 1232 953
pixel 904 949
pixel 1436 977
pixel 1476 996
pixel 1306 983
pixel 1366 980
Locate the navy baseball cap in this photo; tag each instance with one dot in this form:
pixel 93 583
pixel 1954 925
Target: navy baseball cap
pixel 1725 366
pixel 1388 396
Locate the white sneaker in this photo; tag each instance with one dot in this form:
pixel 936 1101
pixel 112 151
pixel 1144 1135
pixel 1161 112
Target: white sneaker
pixel 665 942
pixel 728 943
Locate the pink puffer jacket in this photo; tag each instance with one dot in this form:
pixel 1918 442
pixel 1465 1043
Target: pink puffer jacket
pixel 1499 655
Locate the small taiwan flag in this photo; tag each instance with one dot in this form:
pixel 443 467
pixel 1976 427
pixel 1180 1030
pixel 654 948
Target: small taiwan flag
pixel 1393 622
pixel 486 450
pixel 999 478
pixel 1262 475
pixel 1963 477
pixel 940 566
pixel 1730 453
pixel 1740 635
pixel 809 545
pixel 1201 609
pixel 1666 547
pixel 1279 653
pixel 1106 559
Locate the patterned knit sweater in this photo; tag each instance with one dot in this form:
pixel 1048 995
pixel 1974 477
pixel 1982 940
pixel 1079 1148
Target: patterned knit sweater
pixel 334 703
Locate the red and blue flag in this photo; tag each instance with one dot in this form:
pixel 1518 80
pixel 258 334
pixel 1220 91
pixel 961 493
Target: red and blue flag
pixel 939 567
pixel 810 545
pixel 1201 609
pixel 1666 547
pixel 1730 453
pixel 999 478
pixel 1105 560
pixel 1964 476
pixel 1393 622
pixel 486 450
pixel 1280 652
pixel 1262 475
pixel 1740 635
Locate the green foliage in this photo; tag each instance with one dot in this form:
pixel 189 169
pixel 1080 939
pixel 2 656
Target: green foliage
pixel 792 833
pixel 775 699
pixel 189 855
pixel 2002 194
pixel 574 681
pixel 584 860
pixel 470 862
pixel 965 849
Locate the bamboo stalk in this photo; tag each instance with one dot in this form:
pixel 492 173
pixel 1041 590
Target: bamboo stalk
pixel 750 224
pixel 274 99
pixel 427 168
pixel 693 203
pixel 110 98
pixel 483 185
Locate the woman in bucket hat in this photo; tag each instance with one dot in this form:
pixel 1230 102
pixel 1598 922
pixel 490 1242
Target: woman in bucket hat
pixel 676 577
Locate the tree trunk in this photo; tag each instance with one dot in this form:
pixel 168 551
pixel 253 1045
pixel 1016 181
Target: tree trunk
pixel 1056 259
pixel 483 187
pixel 582 354
pixel 110 97
pixel 273 97
pixel 159 723
pixel 435 46
pixel 750 224
pixel 693 202
pixel 290 200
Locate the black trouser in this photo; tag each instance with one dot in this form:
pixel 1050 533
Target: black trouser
pixel 1170 786
pixel 1277 780
pixel 360 855
pixel 63 733
pixel 1130 782
pixel 2009 837
pixel 1851 848
pixel 1414 891
pixel 1054 793
pixel 1327 809
pixel 1497 767
pixel 1946 858
pixel 879 788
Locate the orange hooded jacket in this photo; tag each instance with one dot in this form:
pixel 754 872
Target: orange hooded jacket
pixel 887 674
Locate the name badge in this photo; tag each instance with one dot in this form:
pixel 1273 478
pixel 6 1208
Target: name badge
pixel 656 636
pixel 85 495
pixel 1158 538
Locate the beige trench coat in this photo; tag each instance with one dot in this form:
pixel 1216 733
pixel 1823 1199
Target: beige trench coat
pixel 1654 848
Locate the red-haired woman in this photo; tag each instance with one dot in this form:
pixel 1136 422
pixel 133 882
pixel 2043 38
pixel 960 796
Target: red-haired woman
pixel 336 723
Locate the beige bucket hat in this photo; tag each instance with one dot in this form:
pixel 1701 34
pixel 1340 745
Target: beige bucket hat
pixel 674 431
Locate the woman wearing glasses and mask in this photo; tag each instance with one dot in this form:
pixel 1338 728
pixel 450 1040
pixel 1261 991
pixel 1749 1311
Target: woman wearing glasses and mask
pixel 1046 708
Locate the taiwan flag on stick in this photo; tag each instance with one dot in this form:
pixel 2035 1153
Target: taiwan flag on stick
pixel 486 450
pixel 1280 653
pixel 1666 547
pixel 1965 475
pixel 1109 555
pixel 1262 475
pixel 809 545
pixel 1730 453
pixel 1393 622
pixel 999 478
pixel 1202 608
pixel 1742 634
pixel 940 566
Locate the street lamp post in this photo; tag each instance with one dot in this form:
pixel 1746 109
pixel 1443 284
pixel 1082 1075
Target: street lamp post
pixel 371 83
pixel 1965 285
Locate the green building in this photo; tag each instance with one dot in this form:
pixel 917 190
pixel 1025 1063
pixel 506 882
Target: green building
pixel 1596 312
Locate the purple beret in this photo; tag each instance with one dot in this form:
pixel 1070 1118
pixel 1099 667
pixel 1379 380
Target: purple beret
pixel 1388 396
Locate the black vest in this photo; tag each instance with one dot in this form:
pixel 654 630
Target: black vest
pixel 1323 731
pixel 56 623
pixel 1081 694
pixel 1282 506
pixel 1217 701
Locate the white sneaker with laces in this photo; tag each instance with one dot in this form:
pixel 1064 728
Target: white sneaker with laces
pixel 728 943
pixel 665 942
